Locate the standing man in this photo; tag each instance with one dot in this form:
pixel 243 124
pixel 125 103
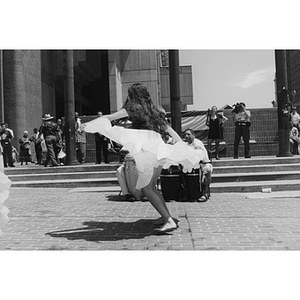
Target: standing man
pixel 101 142
pixel 49 131
pixel 80 139
pixel 5 136
pixel 242 129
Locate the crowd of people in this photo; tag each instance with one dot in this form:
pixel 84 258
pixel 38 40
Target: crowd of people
pixel 45 146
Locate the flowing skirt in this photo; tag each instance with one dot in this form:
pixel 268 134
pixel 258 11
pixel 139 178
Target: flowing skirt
pixel 4 191
pixel 148 149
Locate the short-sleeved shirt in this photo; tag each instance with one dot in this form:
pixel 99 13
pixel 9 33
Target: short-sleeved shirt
pixel 197 144
pixel 242 116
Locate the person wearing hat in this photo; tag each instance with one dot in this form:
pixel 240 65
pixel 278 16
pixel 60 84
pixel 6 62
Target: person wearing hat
pixel 49 129
pixel 25 153
pixel 295 118
pixel 242 122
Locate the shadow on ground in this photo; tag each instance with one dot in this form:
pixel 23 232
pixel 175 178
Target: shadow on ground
pixel 108 231
pixel 121 198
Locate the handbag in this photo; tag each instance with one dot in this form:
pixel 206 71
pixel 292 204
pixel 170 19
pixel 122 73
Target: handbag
pixel 43 145
pixel 61 154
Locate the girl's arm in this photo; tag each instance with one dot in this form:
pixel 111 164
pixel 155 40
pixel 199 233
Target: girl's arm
pixel 122 113
pixel 176 138
pixel 224 118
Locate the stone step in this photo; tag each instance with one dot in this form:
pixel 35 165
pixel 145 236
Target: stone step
pixel 256 168
pixel 61 176
pixel 67 183
pixel 256 176
pixel 36 169
pixel 257 160
pixel 251 186
pixel 228 187
pixel 230 175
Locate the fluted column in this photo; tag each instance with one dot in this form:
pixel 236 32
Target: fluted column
pixel 14 90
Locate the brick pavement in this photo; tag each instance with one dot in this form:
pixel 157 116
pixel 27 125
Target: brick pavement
pixel 63 219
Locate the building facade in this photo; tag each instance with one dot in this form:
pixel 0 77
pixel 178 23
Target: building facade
pixel 32 82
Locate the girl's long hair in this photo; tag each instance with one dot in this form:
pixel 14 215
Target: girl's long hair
pixel 141 110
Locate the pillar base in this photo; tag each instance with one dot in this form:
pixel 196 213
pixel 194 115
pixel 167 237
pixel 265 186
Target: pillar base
pixel 288 154
pixel 72 163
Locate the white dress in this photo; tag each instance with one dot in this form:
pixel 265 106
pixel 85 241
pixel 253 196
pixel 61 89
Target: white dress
pixel 4 191
pixel 148 149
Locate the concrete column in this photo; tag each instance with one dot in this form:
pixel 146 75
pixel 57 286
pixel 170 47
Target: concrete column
pixel 1 89
pixel 14 91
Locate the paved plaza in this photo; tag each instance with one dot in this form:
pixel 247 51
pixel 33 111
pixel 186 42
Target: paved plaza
pixel 87 219
pixel 68 222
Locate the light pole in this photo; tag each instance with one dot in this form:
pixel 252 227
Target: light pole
pixel 175 90
pixel 283 103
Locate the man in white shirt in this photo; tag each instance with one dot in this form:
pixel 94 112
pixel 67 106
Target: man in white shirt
pixel 205 164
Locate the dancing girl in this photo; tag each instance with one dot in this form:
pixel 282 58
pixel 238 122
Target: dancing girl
pixel 4 191
pixel 145 144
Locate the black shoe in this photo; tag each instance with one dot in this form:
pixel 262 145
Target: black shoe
pixel 129 197
pixel 106 162
pixel 12 166
pixel 248 156
pixel 235 157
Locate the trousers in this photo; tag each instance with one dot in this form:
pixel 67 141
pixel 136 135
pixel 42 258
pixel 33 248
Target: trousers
pixel 242 131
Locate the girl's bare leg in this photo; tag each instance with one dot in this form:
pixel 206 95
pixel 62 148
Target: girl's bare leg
pixel 158 202
pixel 217 148
pixel 209 142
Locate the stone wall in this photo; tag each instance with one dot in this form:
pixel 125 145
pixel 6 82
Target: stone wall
pixel 263 133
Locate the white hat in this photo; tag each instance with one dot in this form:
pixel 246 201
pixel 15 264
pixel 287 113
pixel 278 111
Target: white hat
pixel 47 117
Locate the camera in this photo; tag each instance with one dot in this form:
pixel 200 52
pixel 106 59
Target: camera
pixel 238 107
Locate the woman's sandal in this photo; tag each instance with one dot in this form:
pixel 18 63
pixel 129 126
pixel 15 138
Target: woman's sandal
pixel 203 198
pixel 160 221
pixel 164 230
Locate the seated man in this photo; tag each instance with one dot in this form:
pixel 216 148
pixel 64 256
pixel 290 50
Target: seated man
pixel 127 177
pixel 205 165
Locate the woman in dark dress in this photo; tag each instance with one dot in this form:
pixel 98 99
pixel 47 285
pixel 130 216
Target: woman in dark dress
pixel 215 123
pixel 25 154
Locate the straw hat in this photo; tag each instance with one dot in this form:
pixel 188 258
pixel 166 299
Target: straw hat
pixel 47 117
